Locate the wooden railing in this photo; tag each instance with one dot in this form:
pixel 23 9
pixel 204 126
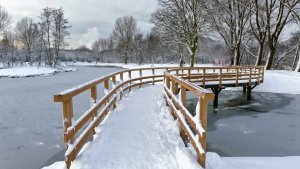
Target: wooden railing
pixel 194 127
pixel 121 82
pixel 220 75
pixel 176 79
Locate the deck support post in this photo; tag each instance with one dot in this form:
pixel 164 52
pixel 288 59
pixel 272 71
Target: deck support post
pixel 249 92
pixel 244 89
pixel 216 91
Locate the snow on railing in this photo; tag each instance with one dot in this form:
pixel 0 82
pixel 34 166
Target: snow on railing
pixel 188 123
pixel 116 84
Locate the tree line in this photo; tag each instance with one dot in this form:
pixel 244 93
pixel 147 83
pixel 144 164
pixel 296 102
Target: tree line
pixel 251 31
pixel 185 31
pixel 30 41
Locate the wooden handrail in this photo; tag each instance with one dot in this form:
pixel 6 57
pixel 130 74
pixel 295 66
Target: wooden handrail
pixel 180 112
pixel 175 78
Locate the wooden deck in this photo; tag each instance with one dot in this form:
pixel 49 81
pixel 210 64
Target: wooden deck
pixel 177 80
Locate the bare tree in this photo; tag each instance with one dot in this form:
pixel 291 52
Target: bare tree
pixel 27 34
pixel 229 18
pixel 182 22
pixel 99 46
pixel 45 25
pixel 124 32
pixel 59 31
pixel 4 20
pixel 278 15
pixel 138 47
pixel 259 28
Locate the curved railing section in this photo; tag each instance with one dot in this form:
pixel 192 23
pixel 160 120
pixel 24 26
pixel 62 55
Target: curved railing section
pixel 177 81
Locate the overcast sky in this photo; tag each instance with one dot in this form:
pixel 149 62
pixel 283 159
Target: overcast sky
pixel 90 19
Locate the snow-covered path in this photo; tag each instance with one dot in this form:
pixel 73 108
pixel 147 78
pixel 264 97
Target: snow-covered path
pixel 140 133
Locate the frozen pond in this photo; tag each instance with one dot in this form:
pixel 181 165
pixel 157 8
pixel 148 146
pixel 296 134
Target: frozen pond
pixel 30 122
pixel 268 125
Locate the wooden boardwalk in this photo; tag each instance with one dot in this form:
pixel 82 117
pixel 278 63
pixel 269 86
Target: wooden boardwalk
pixel 177 80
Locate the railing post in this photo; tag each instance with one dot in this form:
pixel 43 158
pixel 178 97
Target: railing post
pixel 250 74
pixel 67 117
pixel 174 88
pixel 203 82
pixel 258 75
pixel 94 100
pixel 220 78
pixel 106 86
pixel 129 75
pixel 189 75
pixel 153 73
pixel 141 75
pixel 237 77
pixel 183 101
pixel 121 90
pixel 203 118
pixel 113 79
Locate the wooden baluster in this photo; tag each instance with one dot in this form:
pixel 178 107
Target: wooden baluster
pixel 106 86
pixel 250 75
pixel 93 101
pixel 167 83
pixel 220 78
pixel 113 79
pixel 153 74
pixel 68 116
pixel 183 101
pixel 174 87
pixel 203 82
pixel 141 75
pixel 203 118
pixel 258 75
pixel 189 75
pixel 129 75
pixel 121 91
pixel 237 77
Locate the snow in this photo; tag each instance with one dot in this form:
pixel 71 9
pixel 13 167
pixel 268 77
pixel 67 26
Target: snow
pixel 216 162
pixel 30 71
pixel 280 81
pixel 129 65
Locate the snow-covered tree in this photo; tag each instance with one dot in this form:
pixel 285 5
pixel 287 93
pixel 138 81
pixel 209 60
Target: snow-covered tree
pixel 182 22
pixel 123 33
pixel 27 35
pixel 4 19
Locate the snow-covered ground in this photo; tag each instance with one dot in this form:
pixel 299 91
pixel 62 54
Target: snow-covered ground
pixel 126 66
pixel 136 137
pixel 29 71
pixel 280 81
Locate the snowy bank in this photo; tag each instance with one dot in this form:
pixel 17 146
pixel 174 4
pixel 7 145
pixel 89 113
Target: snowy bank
pixel 30 71
pixel 127 66
pixel 280 81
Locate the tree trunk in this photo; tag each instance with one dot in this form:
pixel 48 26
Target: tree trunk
pixel 270 58
pixel 298 65
pixel 259 54
pixel 125 58
pixel 237 55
